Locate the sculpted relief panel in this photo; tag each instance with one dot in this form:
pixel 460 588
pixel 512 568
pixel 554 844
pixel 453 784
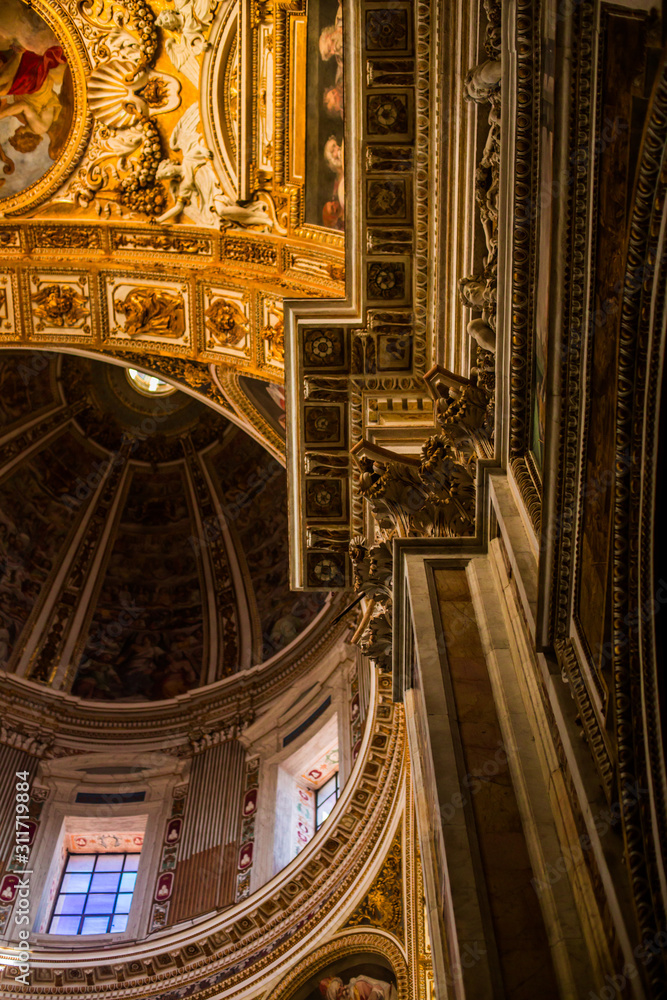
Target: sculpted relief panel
pixel 148 310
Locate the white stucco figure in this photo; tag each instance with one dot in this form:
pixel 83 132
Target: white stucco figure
pixel 194 184
pixel 189 21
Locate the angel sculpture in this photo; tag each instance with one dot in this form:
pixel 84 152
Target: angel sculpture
pixel 194 184
pixel 189 20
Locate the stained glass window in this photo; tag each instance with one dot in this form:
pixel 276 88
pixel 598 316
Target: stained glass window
pixel 95 894
pixel 325 799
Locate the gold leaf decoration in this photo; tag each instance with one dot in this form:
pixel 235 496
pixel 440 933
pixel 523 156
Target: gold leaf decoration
pixel 383 906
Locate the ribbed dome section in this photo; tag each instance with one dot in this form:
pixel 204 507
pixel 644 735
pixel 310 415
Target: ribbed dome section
pixel 144 538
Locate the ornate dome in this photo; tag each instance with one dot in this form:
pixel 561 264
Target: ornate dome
pixel 144 537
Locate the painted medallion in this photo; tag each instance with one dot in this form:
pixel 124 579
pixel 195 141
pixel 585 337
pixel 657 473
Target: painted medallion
pixel 36 98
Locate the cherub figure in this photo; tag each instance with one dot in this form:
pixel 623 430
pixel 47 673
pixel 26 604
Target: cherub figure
pixel 194 184
pixel 189 20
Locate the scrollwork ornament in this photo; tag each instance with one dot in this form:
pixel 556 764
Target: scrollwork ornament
pixel 434 496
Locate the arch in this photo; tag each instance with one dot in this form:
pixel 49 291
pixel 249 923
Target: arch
pixel 346 945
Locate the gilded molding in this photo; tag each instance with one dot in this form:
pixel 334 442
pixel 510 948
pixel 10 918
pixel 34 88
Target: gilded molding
pixel 636 696
pixel 524 234
pixel 592 730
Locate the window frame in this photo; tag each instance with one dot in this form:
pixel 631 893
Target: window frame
pixel 62 816
pixel 82 915
pixel 318 803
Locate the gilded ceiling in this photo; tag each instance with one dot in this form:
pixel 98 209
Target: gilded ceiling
pixel 170 172
pixel 167 177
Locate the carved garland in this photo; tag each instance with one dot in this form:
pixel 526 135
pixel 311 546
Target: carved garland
pixel 524 237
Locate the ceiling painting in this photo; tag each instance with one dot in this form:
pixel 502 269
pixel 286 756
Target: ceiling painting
pixel 38 100
pixel 25 390
pixel 325 199
pixel 255 493
pixel 42 117
pixel 155 649
pixel 35 525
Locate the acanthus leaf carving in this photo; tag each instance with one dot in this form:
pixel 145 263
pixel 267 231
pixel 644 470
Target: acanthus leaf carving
pixel 464 410
pixel 431 496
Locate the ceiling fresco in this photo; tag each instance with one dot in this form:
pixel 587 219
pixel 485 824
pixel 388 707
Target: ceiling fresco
pixel 132 565
pixel 325 197
pixel 37 88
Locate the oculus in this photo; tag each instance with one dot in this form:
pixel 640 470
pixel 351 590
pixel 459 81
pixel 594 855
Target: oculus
pixel 148 385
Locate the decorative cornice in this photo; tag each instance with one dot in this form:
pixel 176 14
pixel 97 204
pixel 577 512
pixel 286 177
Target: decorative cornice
pixel 593 732
pixel 253 938
pixel 83 726
pixel 525 195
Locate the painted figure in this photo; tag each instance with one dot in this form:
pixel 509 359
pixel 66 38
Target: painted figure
pixel 194 185
pixel 36 98
pixel 331 47
pixel 27 81
pixel 358 988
